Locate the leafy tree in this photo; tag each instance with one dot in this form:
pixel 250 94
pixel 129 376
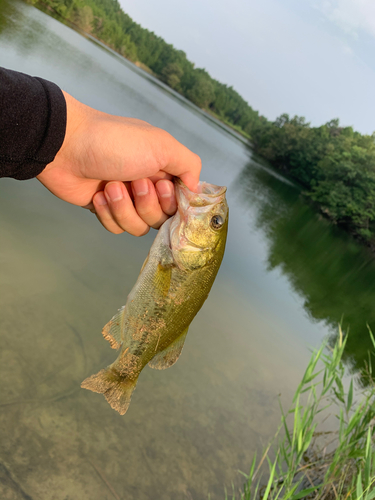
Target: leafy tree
pixel 202 92
pixel 84 18
pixel 336 164
pixel 171 74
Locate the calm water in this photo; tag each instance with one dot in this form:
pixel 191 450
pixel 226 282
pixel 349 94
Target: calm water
pixel 286 281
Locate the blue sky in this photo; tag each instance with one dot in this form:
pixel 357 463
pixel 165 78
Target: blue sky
pixel 313 58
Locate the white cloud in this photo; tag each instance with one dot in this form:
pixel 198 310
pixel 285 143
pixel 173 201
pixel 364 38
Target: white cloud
pixel 353 16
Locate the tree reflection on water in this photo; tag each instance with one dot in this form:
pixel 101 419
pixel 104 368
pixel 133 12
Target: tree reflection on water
pixel 333 274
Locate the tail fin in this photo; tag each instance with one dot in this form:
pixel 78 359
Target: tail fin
pixel 116 388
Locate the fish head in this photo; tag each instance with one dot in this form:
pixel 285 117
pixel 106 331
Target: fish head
pixel 199 228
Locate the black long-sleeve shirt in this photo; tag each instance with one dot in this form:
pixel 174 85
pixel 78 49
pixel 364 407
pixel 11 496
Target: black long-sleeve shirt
pixel 32 124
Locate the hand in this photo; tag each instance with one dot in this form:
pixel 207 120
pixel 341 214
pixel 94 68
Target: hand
pixel 121 168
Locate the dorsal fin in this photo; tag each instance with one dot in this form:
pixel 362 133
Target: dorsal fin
pixel 112 330
pixel 168 357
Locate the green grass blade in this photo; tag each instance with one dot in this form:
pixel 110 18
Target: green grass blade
pixel 359 486
pixel 304 493
pixel 349 400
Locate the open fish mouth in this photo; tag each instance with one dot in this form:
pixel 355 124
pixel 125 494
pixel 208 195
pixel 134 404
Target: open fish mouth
pixel 208 194
pixel 211 190
pixel 194 206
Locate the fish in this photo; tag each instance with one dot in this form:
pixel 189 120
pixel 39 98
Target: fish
pixel 172 286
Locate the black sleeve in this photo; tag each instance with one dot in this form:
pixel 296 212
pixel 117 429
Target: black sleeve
pixel 32 124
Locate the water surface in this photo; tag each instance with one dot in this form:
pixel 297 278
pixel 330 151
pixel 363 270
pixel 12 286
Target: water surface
pixel 286 280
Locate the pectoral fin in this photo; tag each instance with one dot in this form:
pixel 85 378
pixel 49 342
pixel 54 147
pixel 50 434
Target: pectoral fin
pixel 168 357
pixel 112 330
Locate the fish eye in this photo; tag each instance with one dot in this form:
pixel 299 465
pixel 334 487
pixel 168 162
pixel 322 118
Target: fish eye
pixel 216 222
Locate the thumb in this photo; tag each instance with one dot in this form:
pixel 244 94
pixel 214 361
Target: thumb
pixel 181 162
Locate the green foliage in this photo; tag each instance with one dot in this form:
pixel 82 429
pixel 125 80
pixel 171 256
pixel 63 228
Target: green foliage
pixel 171 74
pixel 303 468
pixel 106 20
pixel 335 164
pixel 202 91
pixel 345 188
pixel 84 18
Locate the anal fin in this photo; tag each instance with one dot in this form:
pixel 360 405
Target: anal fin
pixel 168 357
pixel 112 330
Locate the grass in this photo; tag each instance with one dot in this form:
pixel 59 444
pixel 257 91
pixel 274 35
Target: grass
pixel 310 464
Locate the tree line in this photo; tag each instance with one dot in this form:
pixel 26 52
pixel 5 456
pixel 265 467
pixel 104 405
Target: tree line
pixel 336 165
pixel 105 20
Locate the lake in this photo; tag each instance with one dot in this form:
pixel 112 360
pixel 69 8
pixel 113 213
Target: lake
pixel 288 278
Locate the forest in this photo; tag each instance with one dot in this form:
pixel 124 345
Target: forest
pixel 334 164
pixel 106 21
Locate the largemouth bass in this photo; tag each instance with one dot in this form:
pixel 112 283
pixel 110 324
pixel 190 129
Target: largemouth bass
pixel 172 286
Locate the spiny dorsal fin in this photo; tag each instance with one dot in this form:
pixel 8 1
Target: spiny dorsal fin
pixel 112 330
pixel 168 357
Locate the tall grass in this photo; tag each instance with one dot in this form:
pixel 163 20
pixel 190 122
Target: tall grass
pixel 313 465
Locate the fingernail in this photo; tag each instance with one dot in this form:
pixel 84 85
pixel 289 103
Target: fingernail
pixel 165 189
pixel 140 187
pixel 100 198
pixel 114 191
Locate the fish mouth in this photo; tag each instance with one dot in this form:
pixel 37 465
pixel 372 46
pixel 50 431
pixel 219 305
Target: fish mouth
pixel 208 194
pixel 211 190
pixel 198 204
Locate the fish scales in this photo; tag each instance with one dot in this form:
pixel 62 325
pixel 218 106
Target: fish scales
pixel 172 286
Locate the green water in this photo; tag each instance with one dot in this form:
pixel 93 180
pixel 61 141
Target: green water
pixel 286 281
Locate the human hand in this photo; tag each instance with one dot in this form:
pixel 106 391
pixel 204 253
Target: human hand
pixel 121 168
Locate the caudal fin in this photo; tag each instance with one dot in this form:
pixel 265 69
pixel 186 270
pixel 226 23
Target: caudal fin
pixel 116 388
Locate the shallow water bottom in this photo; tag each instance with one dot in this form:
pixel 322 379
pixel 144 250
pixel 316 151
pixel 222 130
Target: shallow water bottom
pixel 189 429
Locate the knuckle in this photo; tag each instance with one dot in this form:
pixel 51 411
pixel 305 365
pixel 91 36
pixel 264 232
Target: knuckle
pixel 130 222
pixel 148 212
pixel 161 151
pixel 198 162
pixel 124 220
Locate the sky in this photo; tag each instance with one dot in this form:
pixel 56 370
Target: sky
pixel 313 58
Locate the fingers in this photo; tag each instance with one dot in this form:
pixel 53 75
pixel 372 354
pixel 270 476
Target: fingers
pixel 167 196
pixel 151 207
pixel 115 210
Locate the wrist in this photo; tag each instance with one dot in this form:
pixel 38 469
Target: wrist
pixel 76 114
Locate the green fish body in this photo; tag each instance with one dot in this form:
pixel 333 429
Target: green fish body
pixel 173 284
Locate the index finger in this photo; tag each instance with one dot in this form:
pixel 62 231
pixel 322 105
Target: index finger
pixel 180 162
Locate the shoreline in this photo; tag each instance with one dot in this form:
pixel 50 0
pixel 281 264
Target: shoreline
pixel 139 68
